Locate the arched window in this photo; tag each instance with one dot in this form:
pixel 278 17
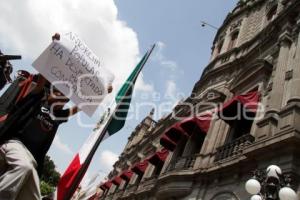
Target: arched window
pixel 220 46
pixel 233 40
pixel 271 13
pixel 239 113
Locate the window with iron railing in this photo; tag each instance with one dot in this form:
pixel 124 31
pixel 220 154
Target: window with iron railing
pixel 239 113
pixel 138 179
pixel 125 184
pixel 238 128
pixel 157 169
pixel 238 138
pixel 179 149
pixel 196 143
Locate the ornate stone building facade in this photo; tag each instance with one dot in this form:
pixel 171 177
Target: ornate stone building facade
pixel 255 59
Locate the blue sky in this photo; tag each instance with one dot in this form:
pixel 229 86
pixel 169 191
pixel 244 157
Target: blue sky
pixel 121 31
pixel 177 24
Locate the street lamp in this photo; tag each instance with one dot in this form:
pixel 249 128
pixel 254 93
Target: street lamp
pixel 270 185
pixel 203 24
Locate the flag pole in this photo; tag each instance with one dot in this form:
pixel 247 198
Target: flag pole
pixel 87 162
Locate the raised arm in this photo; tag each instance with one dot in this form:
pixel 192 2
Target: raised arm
pixel 41 81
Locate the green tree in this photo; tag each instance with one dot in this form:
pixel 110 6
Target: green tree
pixel 49 177
pixel 46 189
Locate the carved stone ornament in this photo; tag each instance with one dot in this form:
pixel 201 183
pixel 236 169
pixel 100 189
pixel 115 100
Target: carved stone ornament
pixel 213 95
pixel 235 25
pixel 288 75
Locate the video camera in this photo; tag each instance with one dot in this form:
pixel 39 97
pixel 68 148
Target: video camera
pixel 4 58
pixel 6 68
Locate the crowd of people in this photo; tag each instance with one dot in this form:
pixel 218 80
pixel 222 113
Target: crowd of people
pixel 31 110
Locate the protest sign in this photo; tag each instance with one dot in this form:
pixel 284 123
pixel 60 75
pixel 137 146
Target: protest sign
pixel 76 71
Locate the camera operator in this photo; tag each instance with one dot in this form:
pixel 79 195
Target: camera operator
pixel 5 71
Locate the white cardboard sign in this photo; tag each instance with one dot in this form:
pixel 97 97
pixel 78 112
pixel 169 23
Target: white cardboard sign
pixel 76 71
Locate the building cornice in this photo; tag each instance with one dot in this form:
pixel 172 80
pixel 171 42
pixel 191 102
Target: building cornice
pixel 282 16
pixel 269 33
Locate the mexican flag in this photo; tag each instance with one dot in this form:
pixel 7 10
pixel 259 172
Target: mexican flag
pixel 111 122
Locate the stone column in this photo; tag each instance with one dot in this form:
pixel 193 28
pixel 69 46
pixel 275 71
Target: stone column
pixel 295 86
pixel 167 162
pixel 149 171
pixel 277 92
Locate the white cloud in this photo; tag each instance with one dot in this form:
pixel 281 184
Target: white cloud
pixel 62 146
pixel 172 65
pixel 161 58
pixel 172 94
pixel 107 159
pixel 142 86
pixel 159 52
pixel 171 90
pixel 29 25
pixel 171 71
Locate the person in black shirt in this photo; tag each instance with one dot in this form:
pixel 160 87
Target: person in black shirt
pixel 29 139
pixel 38 132
pixel 21 156
pixel 32 136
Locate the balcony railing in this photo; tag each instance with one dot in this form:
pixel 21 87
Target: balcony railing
pixel 148 183
pixel 130 189
pixel 104 196
pixel 109 196
pixel 233 148
pixel 118 194
pixel 181 163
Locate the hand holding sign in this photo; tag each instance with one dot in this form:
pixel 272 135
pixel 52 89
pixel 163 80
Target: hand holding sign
pixel 76 71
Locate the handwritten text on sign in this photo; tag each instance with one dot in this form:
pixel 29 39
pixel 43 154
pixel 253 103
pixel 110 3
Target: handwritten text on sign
pixel 76 71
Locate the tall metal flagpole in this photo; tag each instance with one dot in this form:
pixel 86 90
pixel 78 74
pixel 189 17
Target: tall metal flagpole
pixel 87 162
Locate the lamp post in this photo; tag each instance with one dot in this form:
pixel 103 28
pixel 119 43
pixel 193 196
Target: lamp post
pixel 203 24
pixel 270 185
